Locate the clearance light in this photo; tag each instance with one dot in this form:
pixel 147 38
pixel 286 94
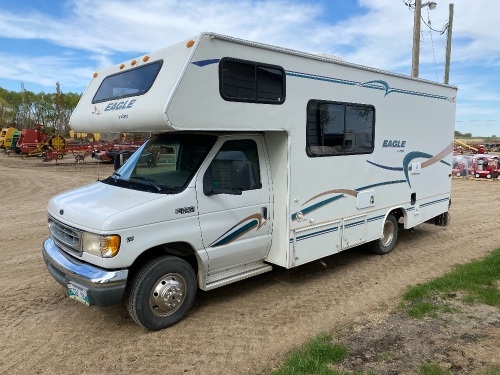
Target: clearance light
pixel 133 62
pixel 145 58
pixel 122 66
pixel 95 75
pixel 190 43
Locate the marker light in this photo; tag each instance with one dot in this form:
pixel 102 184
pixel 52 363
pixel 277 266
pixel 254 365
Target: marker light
pixel 190 43
pixel 110 245
pixel 133 62
pixel 145 58
pixel 122 66
pixel 95 75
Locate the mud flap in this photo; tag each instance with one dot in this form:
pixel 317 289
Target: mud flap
pixel 441 220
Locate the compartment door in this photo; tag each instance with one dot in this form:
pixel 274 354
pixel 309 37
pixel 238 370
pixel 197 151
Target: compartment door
pixel 353 231
pixel 315 242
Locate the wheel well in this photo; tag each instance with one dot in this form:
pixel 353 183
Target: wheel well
pixel 398 214
pixel 179 249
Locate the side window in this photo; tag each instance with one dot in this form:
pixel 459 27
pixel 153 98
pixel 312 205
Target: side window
pixel 133 82
pixel 237 150
pixel 339 128
pixel 252 82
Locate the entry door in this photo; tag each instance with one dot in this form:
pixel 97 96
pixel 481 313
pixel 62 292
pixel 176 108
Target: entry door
pixel 236 229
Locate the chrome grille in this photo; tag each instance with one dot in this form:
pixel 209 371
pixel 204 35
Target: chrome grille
pixel 65 237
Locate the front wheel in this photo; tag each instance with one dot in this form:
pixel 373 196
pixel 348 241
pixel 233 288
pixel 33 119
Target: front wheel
pixel 385 244
pixel 161 293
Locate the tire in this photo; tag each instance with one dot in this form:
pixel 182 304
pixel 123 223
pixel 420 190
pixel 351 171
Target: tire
pixel 477 175
pixel 164 276
pixel 458 174
pixel 385 244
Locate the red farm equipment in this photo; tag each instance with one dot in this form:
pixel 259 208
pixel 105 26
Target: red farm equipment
pixel 486 167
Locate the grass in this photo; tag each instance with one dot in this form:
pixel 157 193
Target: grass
pixel 313 358
pixel 475 280
pixel 432 369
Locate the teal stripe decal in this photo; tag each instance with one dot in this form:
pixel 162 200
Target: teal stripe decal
pixel 374 85
pixel 247 227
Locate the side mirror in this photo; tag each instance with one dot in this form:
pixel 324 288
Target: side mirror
pixel 120 158
pixel 117 162
pixel 208 183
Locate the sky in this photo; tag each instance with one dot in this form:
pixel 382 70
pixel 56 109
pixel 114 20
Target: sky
pixel 47 41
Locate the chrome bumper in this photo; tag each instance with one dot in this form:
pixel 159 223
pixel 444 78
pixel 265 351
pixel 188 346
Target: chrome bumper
pixel 105 287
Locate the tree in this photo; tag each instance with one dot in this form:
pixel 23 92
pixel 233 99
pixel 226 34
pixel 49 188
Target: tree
pixel 25 110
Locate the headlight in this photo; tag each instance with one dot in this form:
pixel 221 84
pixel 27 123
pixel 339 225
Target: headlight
pixel 101 246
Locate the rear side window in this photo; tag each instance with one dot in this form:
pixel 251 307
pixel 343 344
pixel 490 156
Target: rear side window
pixel 252 82
pixel 339 128
pixel 132 82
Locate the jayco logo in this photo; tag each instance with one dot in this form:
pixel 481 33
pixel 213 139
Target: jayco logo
pixel 394 143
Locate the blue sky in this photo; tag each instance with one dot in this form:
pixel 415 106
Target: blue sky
pixel 47 41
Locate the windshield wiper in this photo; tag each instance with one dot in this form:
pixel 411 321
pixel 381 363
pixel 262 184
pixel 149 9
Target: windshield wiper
pixel 148 180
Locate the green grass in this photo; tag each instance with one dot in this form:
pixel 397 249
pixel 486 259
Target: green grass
pixel 492 369
pixel 475 280
pixel 313 358
pixel 432 369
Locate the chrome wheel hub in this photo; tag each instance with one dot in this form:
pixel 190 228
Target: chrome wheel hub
pixel 168 294
pixel 388 234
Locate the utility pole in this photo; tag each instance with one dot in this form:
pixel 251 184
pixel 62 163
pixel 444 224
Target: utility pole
pixel 61 126
pixel 448 47
pixel 416 39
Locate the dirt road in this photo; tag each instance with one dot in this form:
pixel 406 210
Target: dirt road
pixel 244 328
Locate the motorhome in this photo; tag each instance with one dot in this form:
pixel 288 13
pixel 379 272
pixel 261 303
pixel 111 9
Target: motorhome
pixel 261 157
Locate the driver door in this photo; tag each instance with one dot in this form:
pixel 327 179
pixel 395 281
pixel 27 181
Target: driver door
pixel 235 225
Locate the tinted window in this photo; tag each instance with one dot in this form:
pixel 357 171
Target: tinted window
pixel 230 151
pixel 251 82
pixel 131 82
pixel 339 128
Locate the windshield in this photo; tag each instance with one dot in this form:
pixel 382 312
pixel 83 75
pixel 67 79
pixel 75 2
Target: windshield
pixel 164 164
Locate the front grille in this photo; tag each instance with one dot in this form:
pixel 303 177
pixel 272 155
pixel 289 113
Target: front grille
pixel 65 237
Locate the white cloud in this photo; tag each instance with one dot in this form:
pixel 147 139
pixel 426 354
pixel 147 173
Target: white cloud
pixel 96 33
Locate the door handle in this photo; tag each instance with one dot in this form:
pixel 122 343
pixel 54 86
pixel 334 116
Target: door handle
pixel 264 213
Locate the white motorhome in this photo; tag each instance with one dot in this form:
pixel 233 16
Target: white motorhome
pixel 261 156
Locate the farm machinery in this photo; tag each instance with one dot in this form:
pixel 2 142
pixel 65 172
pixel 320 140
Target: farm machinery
pixel 460 147
pixel 34 142
pixel 486 167
pixel 6 135
pixel 479 166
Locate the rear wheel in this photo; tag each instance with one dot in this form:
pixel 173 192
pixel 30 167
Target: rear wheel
pixel 161 293
pixel 385 244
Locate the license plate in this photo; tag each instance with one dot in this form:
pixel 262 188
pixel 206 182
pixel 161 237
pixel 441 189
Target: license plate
pixel 78 293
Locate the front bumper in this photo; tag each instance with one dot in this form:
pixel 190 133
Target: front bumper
pixel 105 287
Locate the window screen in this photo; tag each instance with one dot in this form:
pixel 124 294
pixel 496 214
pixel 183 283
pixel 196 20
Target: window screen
pixel 339 128
pixel 235 150
pixel 130 82
pixel 251 82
